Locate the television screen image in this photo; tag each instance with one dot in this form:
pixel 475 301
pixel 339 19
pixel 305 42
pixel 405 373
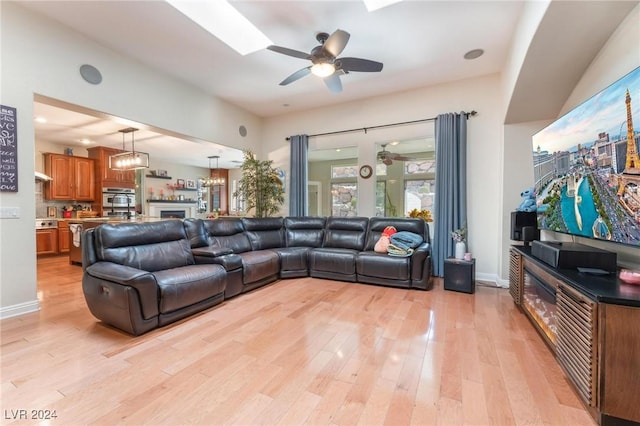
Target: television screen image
pixel 587 167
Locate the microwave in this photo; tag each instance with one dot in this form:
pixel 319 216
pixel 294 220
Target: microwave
pixel 118 197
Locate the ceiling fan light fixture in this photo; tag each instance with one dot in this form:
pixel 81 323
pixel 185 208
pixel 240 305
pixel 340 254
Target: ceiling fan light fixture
pixel 323 69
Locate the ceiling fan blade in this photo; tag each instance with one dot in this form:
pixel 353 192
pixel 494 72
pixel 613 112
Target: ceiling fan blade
pixel 333 83
pixel 289 52
pixel 400 157
pixel 296 76
pixel 359 65
pixel 336 42
pixel 387 162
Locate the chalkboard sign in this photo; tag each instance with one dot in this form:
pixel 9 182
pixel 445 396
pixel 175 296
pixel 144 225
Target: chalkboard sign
pixel 8 149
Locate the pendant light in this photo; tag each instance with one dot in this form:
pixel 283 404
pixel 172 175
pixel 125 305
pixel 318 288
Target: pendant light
pixel 129 160
pixel 214 180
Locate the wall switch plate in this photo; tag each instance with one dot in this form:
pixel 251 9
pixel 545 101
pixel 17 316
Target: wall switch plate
pixel 9 212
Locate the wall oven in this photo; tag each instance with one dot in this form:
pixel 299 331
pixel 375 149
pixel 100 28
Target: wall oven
pixel 118 202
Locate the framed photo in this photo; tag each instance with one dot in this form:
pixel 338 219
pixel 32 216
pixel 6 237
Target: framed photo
pixel 179 183
pixel 191 184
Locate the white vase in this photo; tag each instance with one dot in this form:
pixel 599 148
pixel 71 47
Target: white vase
pixel 461 248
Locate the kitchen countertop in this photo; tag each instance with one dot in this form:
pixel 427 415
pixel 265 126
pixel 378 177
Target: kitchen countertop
pixel 112 220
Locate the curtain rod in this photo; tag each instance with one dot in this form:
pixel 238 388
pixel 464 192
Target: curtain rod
pixel 366 129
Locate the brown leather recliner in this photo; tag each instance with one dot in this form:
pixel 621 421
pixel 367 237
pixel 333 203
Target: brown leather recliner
pixel 139 276
pixel 259 266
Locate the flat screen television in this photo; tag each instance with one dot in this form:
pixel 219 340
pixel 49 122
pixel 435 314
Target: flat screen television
pixel 587 167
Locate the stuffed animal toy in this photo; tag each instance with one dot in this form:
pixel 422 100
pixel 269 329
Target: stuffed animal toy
pixel 528 203
pixel 383 243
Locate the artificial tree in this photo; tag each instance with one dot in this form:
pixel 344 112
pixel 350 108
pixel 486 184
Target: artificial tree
pixel 260 186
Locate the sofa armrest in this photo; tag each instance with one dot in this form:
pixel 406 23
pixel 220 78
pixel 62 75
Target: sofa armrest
pixel 211 251
pixel 114 272
pixel 230 261
pixel 420 255
pixel 421 267
pixel 144 282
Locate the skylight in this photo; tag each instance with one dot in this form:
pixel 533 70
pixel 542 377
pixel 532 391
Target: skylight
pixel 223 21
pixel 378 4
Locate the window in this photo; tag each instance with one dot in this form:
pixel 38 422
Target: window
pixel 344 199
pixel 419 194
pixel 419 167
pixel 339 172
pixel 237 204
pixel 405 185
pixel 381 198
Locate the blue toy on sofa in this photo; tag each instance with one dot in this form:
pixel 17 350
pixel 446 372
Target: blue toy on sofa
pixel 528 203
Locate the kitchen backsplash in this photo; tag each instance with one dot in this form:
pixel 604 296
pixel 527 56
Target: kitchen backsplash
pixel 42 204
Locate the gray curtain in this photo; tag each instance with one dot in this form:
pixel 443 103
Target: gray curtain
pixel 298 175
pixel 451 185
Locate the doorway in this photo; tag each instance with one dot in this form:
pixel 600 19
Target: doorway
pixel 314 189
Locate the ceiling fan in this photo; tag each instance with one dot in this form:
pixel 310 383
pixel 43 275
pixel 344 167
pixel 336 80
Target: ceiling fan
pixel 387 157
pixel 325 61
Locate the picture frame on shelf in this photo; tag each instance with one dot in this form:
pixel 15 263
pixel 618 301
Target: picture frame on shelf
pixel 190 184
pixel 179 183
pixel 161 173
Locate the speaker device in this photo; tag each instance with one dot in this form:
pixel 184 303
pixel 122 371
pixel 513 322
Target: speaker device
pixel 572 255
pixel 520 220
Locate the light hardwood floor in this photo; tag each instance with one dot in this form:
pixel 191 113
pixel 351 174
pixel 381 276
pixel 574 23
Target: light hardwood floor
pixel 299 351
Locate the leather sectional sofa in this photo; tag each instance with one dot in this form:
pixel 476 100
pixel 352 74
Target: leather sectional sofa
pixel 140 276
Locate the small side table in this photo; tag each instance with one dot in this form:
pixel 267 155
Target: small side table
pixel 460 275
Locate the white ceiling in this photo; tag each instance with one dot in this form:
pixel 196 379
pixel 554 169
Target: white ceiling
pixel 71 128
pixel 421 43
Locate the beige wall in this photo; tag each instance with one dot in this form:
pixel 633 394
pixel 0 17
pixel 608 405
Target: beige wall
pixel 39 56
pixel 484 146
pixel 619 56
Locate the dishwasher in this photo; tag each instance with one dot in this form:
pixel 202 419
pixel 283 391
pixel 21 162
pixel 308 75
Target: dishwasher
pixel 75 243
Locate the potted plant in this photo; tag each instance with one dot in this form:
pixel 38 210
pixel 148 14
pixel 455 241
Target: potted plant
pixel 260 186
pixel 422 214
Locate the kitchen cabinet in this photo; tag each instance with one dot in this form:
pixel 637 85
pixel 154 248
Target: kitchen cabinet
pixel 106 177
pixel 73 178
pixel 46 241
pixel 64 237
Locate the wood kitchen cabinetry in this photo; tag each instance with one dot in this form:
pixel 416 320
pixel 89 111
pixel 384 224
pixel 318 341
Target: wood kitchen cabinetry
pixel 106 177
pixel 46 241
pixel 64 237
pixel 598 337
pixel 73 178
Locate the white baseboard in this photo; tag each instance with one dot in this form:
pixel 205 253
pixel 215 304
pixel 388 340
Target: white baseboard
pixel 503 283
pixel 19 309
pixel 493 278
